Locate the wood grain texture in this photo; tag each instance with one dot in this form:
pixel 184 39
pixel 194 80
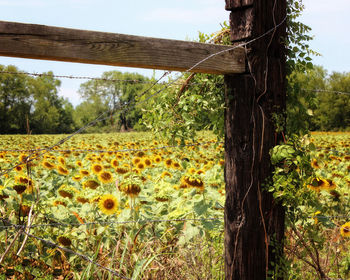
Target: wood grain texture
pixel 237 4
pixel 73 45
pixel 254 220
pixel 242 21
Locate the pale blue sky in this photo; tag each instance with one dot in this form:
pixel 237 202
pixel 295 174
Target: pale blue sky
pixel 180 19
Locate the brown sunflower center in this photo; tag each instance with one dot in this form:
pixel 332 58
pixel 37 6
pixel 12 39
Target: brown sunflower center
pixel 106 176
pixel 346 229
pixel 108 204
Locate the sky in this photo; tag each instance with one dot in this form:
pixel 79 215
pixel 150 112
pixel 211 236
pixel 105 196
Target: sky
pixel 180 19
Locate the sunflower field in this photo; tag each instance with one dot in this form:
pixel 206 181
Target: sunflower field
pixel 130 206
pixel 126 201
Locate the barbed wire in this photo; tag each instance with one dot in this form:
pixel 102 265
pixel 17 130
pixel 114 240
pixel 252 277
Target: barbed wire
pixel 326 90
pixel 128 105
pixel 131 81
pixel 58 224
pixel 77 254
pixel 115 151
pixel 34 156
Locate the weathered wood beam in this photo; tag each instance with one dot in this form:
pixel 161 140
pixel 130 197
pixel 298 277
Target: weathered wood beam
pixel 73 45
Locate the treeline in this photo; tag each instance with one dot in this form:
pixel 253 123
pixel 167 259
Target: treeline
pixel 324 98
pixel 321 101
pixel 32 104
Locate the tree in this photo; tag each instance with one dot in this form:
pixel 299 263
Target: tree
pixel 333 111
pixel 302 98
pixel 111 95
pixel 15 100
pixel 50 113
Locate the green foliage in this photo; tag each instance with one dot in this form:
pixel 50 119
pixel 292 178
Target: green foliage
pixel 333 110
pixel 194 103
pixel 111 98
pixel 316 203
pixel 15 101
pixel 314 102
pixel 180 112
pixel 32 104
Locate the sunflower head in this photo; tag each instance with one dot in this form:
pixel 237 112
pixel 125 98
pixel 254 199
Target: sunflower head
pixel 19 168
pixel 23 158
pixel 82 200
pixel 318 184
pixel 345 230
pixel 84 172
pixel 140 166
pixel 62 160
pixel 130 189
pixel 64 241
pixel 108 204
pixel 114 163
pixel 157 159
pixel 20 188
pixel 62 170
pixel 148 162
pixel 65 192
pixel 91 184
pixel 175 165
pixel 136 160
pixel 168 162
pixel 96 168
pixel 121 170
pixel 315 164
pixel 105 177
pixel 166 174
pixel 48 165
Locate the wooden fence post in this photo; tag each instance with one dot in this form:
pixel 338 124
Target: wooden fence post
pixel 254 222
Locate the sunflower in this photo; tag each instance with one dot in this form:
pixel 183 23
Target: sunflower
pixel 166 174
pixel 65 192
pixel 114 163
pixel 121 170
pixel 84 172
pixel 62 170
pixel 140 154
pixel 136 161
pixel 19 168
pixel 200 171
pixel 130 189
pixel 79 163
pixel 331 185
pixel 24 210
pixel 318 184
pixel 96 168
pixel 91 184
pixel 157 159
pixel 82 200
pixel 345 230
pixel 108 204
pixel 61 160
pixel 315 164
pixel 105 177
pixel 175 165
pixel 191 170
pixel 77 178
pixel 20 188
pixel 147 162
pixel 64 241
pixel 48 165
pixel 140 166
pixel 23 158
pixel 59 202
pixel 168 162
